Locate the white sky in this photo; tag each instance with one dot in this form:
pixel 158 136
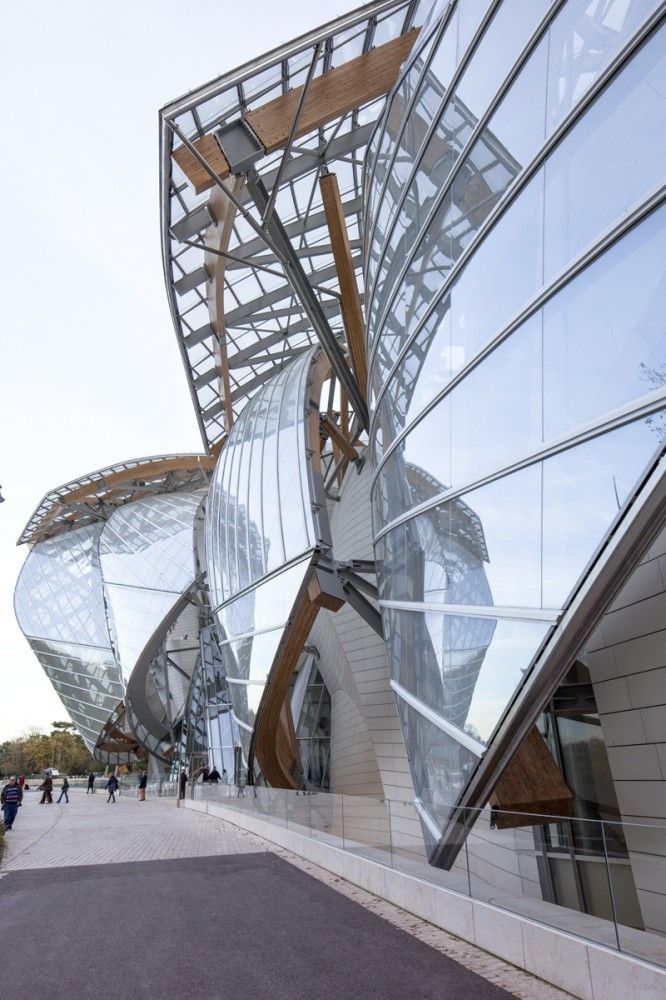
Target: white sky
pixel 90 372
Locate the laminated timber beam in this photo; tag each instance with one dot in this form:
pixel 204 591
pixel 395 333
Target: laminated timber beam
pixel 139 473
pixel 338 439
pixel 350 300
pixel 330 96
pixel 532 790
pixel 274 742
pixel 218 238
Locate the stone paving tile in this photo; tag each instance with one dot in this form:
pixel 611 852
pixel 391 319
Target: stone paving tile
pixel 89 831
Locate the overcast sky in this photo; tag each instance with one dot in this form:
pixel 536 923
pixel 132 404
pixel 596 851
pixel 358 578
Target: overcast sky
pixel 90 372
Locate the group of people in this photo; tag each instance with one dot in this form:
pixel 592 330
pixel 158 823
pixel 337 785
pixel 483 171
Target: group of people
pixel 46 788
pixel 11 797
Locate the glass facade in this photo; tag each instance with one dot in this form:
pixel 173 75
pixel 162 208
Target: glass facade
pixel 146 552
pixel 515 289
pixel 261 527
pixel 59 605
pixel 210 733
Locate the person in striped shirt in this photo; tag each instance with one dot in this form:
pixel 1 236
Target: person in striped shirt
pixel 11 798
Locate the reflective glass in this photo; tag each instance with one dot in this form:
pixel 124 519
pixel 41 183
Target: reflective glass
pixel 263 612
pixel 59 590
pixel 148 561
pixel 86 679
pixel 134 615
pixel 455 442
pixel 483 548
pixel 425 370
pixel 583 491
pixel 438 557
pixel 259 514
pixel 502 40
pixel 149 543
pixel 592 179
pixel 583 39
pixel 441 767
pixel 620 302
pixel 466 669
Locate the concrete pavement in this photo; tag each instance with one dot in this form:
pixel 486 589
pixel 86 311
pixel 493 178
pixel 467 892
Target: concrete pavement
pixel 143 900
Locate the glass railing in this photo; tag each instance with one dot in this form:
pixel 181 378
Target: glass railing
pixel 601 881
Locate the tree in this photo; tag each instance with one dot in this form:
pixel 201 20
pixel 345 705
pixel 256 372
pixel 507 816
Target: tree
pixel 34 751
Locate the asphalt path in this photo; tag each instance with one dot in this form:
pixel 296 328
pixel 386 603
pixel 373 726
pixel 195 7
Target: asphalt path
pixel 233 926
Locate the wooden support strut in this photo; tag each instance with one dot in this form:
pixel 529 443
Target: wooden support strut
pixel 330 96
pixel 532 784
pixel 146 472
pixel 273 740
pixel 218 238
pixel 350 300
pixel 338 439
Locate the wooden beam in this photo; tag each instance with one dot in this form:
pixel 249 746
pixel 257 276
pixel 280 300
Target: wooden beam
pixel 532 783
pixel 333 94
pixel 343 444
pixel 147 471
pixel 270 743
pixel 218 238
pixel 330 96
pixel 274 741
pixel 209 148
pixel 350 302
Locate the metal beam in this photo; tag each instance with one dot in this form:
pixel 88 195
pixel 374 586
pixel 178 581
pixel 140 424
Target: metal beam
pixel 292 133
pixel 309 301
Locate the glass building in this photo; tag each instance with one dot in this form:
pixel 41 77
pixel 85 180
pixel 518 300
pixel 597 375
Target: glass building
pixel 415 265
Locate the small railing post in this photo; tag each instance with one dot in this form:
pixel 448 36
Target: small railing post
pixel 610 885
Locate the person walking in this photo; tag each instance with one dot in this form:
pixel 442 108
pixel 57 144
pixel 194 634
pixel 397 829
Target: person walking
pixel 91 783
pixel 64 790
pixel 46 788
pixel 112 787
pixel 11 798
pixel 143 781
pixel 183 783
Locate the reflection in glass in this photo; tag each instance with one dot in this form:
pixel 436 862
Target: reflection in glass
pixel 572 367
pixel 261 533
pixel 146 552
pixel 59 606
pixel 259 515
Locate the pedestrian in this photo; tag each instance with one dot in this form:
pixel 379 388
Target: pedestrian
pixel 206 776
pixel 183 783
pixel 11 798
pixel 143 781
pixel 91 783
pixel 64 790
pixel 112 787
pixel 214 776
pixel 21 782
pixel 46 788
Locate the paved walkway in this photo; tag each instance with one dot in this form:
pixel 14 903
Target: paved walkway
pixel 143 900
pixel 89 831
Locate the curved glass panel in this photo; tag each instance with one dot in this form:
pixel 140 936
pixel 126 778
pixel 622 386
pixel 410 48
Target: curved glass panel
pixel 508 433
pixel 259 514
pixel 260 533
pixel 59 605
pixel 146 552
pixel 518 255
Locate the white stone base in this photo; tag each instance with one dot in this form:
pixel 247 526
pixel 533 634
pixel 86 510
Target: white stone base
pixel 582 968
